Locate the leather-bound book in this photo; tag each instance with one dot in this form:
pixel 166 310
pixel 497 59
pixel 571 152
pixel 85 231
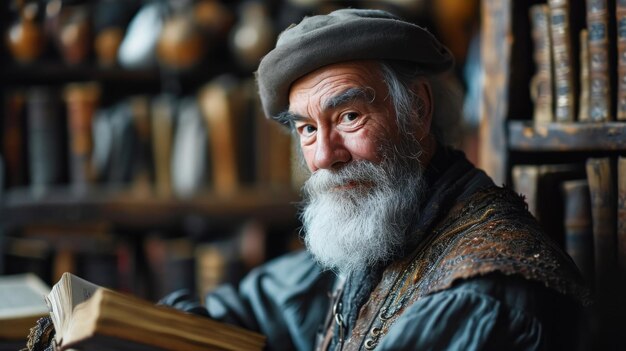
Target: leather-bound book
pixel 563 64
pixel 541 185
pixel 583 97
pixel 602 189
pixel 541 83
pixel 45 158
pixel 190 151
pixel 621 228
pixel 620 13
pixel 143 165
pixel 163 111
pixel 272 147
pixel 82 101
pixel 578 226
pixel 600 91
pixel 13 140
pixel 221 103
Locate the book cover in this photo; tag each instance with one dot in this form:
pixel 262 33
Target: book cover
pixel 143 162
pixel 578 226
pixel 190 159
pixel 82 101
pixel 541 186
pixel 272 144
pixel 91 317
pixel 583 97
pixel 621 226
pixel 45 159
pixel 22 302
pixel 563 64
pixel 541 83
pixel 13 140
pixel 163 111
pixel 602 190
pixel 599 86
pixel 221 103
pixel 603 210
pixel 620 14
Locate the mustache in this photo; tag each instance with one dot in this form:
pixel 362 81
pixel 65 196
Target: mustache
pixel 353 175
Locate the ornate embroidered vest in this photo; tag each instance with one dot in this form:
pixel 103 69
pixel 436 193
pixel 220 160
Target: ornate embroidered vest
pixel 492 231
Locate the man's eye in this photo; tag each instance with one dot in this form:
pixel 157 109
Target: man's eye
pixel 349 117
pixel 307 129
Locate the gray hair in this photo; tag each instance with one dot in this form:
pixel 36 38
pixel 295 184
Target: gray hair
pixel 399 76
pixel 447 101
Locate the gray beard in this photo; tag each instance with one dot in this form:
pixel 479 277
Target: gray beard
pixel 357 216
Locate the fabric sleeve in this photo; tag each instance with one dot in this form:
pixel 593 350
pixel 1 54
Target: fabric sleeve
pixel 286 300
pixel 494 313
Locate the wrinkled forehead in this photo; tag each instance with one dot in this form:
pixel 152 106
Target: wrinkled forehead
pixel 347 80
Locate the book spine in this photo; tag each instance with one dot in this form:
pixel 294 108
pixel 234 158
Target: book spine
pixel 162 137
pixel 44 139
pixel 13 148
pixel 583 107
pixel 142 173
pixel 621 225
pixel 620 14
pixel 599 93
pixel 577 225
pixel 541 83
pixel 220 101
pixel 602 190
pixel 563 65
pixel 82 102
pixel 525 182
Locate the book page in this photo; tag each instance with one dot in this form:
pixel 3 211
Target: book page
pixel 22 295
pixel 68 292
pixel 81 290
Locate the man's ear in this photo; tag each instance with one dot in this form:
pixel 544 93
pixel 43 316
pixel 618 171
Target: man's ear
pixel 421 88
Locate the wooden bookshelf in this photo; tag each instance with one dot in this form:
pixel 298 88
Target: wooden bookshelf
pixel 20 207
pixel 45 72
pixel 525 154
pixel 570 137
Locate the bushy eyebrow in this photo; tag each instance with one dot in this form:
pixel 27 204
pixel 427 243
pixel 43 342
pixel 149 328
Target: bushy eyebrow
pixel 348 96
pixel 288 118
pixel 364 94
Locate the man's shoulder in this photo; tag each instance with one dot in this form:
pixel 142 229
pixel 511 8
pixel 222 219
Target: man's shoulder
pixel 492 231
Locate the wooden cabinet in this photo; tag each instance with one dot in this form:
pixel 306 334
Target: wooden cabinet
pixel 512 144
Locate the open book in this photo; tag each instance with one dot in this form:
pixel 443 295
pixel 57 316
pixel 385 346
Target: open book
pixel 86 316
pixel 21 304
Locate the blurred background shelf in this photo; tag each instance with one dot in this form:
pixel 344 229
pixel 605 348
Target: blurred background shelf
pixel 528 136
pixel 62 205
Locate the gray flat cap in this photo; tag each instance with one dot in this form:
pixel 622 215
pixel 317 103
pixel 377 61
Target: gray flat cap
pixel 343 35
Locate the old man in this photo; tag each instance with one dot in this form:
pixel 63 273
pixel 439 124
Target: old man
pixel 409 246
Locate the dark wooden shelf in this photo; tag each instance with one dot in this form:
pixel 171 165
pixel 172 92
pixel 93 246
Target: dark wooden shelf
pixel 21 206
pixel 576 136
pixel 50 72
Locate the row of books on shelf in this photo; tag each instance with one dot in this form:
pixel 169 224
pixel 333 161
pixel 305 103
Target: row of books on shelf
pixel 150 266
pixel 217 139
pixel 583 207
pixel 579 47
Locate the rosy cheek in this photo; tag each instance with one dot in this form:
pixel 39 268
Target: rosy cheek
pixel 363 147
pixel 309 153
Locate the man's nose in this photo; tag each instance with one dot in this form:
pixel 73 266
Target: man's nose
pixel 330 151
